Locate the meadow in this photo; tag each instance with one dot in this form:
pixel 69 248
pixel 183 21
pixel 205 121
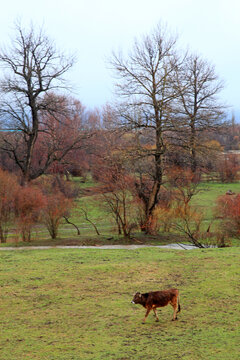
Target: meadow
pixel 76 304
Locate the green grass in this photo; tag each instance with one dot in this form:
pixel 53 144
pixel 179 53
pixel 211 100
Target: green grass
pixel 208 194
pixel 75 304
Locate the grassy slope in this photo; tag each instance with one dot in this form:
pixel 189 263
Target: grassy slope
pixel 75 304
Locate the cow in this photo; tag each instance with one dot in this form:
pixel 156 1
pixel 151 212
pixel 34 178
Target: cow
pixel 155 299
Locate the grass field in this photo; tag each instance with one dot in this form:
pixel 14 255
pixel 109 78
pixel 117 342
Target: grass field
pixel 75 304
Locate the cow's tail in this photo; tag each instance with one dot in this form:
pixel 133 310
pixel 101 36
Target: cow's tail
pixel 179 307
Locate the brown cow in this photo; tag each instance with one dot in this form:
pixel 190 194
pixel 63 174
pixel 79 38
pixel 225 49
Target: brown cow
pixel 155 299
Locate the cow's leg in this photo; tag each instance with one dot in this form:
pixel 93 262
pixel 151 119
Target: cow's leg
pixel 155 312
pixel 175 308
pixel 146 315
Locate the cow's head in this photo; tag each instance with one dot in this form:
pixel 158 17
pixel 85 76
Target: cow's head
pixel 137 298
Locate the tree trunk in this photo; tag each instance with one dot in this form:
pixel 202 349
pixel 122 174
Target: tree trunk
pixel 153 198
pixel 193 147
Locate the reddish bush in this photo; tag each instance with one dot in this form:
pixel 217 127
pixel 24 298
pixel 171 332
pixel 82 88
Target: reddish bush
pixel 117 196
pixel 57 206
pixel 29 203
pixel 8 189
pixel 228 210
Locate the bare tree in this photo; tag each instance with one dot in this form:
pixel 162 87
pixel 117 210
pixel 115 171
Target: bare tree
pixel 198 107
pixel 33 69
pixel 145 84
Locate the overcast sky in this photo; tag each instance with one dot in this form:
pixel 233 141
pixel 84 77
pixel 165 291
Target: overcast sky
pixel 91 29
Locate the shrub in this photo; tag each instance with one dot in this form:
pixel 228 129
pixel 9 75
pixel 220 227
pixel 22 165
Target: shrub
pixel 8 189
pixel 59 195
pixel 57 206
pixel 228 211
pixel 29 203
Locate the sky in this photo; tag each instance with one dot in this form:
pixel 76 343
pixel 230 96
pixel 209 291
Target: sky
pixel 92 29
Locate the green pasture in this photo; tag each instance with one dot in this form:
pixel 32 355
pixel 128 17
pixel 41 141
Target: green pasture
pixel 76 304
pixel 208 193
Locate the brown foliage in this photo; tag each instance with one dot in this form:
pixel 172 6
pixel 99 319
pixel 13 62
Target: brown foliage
pixel 57 206
pixel 8 189
pixel 117 195
pixel 29 203
pixel 228 168
pixel 58 195
pixel 188 220
pixel 47 201
pixel 56 184
pixel 160 218
pixel 183 217
pixel 184 184
pixel 228 210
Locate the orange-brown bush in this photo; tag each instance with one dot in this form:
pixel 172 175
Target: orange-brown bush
pixel 29 202
pixel 182 216
pixel 57 206
pixel 228 210
pixel 58 201
pixel 8 190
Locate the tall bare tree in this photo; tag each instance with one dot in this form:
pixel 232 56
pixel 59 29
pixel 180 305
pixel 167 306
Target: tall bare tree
pixel 145 84
pixel 33 69
pixel 198 107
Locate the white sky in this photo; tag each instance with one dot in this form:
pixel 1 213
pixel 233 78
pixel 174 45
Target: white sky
pixel 93 28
